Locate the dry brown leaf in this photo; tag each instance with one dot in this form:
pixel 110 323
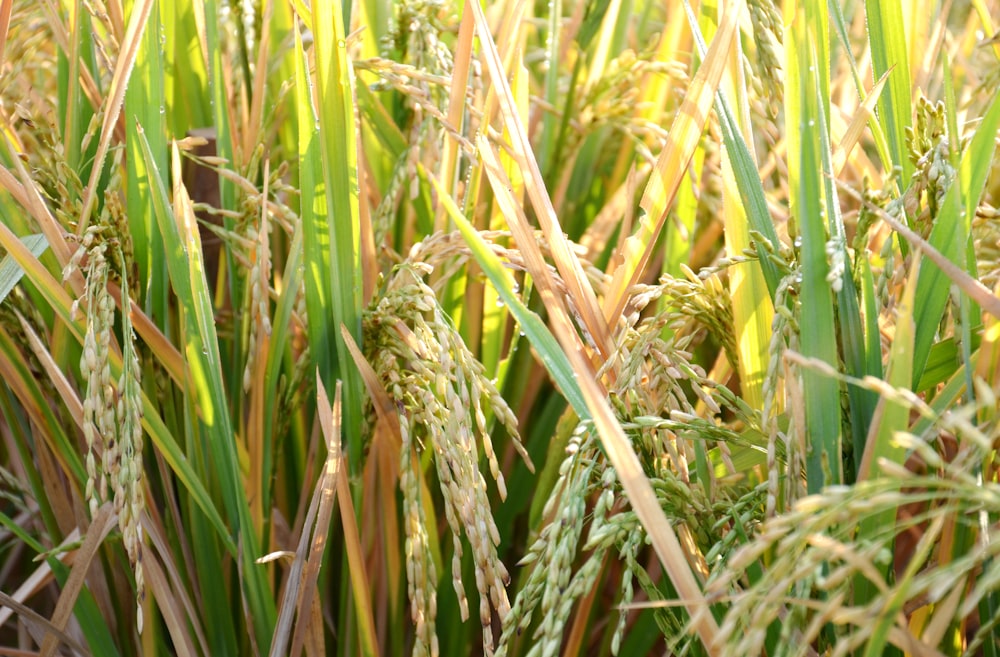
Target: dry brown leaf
pixel 102 523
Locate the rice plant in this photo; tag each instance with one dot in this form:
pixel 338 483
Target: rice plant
pixel 639 328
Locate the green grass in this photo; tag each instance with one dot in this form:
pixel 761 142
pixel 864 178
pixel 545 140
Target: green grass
pixel 436 328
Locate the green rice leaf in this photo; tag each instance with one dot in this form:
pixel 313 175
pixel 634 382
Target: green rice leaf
pixel 949 234
pixel 887 39
pixel 11 272
pixel 545 344
pixel 803 113
pixel 207 390
pixel 890 417
pixel 337 147
pixel 745 173
pixel 144 105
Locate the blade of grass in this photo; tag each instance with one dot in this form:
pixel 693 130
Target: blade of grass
pixel 182 468
pixel 44 282
pixel 220 107
pixel 385 131
pixel 101 525
pixel 185 80
pixel 61 36
pixel 456 106
pixel 223 101
pixel 292 600
pixel 890 417
pixel 550 121
pixel 887 39
pixel 259 84
pixel 76 113
pixel 744 170
pixel 873 335
pixel 534 328
pixel 874 127
pixel 279 102
pixel 685 132
pixel 116 96
pixel 821 394
pixel 360 588
pixel 965 311
pixel 326 491
pixel 315 227
pixel 178 596
pixel 599 61
pixel 183 249
pixel 818 18
pixel 144 103
pixel 463 297
pixel 941 363
pixel 337 152
pixel 850 329
pixel 19 379
pixel 565 260
pixel 38 626
pixel 860 344
pixel 753 311
pixel 862 117
pixel 518 222
pixel 282 334
pixel 177 629
pixel 62 385
pixel 10 272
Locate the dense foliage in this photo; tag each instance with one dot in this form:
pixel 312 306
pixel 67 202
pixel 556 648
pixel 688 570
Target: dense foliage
pixel 638 328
